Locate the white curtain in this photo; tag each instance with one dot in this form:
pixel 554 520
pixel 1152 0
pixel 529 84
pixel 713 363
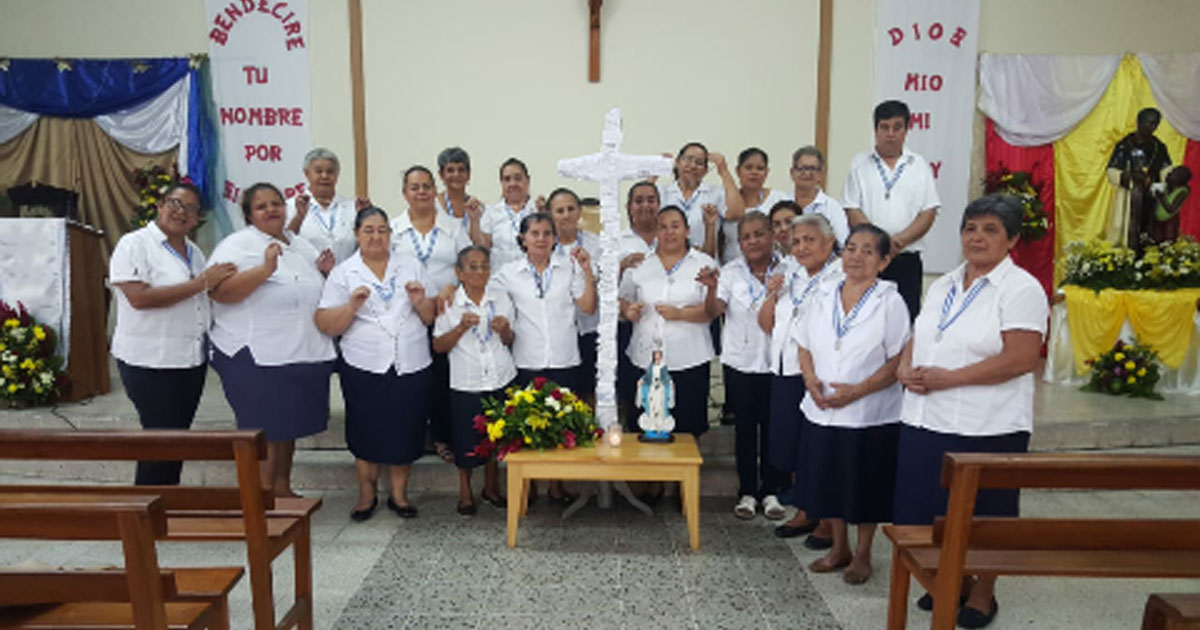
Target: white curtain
pixel 14 122
pixel 1175 82
pixel 153 126
pixel 1037 99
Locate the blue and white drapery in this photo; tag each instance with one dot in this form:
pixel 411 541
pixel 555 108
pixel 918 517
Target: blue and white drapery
pixel 147 105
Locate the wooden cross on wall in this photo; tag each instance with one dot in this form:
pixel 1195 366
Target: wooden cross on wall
pixel 594 40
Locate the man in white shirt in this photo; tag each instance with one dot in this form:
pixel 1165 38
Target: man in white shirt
pixel 893 188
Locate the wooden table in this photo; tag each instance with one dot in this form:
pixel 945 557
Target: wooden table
pixel 631 461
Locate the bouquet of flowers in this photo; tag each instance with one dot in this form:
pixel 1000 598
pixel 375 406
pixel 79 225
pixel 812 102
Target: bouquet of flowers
pixel 541 415
pixel 1168 266
pixel 1019 184
pixel 30 372
pixel 1125 370
pixel 152 184
pixel 1100 265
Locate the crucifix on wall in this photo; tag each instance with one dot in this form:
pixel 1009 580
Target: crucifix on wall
pixel 594 40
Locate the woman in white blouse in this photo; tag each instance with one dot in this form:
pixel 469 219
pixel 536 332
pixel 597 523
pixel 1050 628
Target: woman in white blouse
pixel 432 239
pixel 667 299
pixel 454 169
pixel 815 269
pixel 546 291
pixel 752 171
pixel 500 226
pixel 274 363
pixel 808 175
pixel 849 345
pixel 476 331
pixel 968 378
pixel 162 320
pixel 745 355
pixel 563 204
pixel 782 214
pixel 320 215
pixel 376 303
pixel 696 198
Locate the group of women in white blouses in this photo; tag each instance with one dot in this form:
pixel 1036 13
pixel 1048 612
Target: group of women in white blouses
pixel 449 301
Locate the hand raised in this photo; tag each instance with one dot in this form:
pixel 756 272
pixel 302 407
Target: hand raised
pixel 415 291
pixel 632 261
pixel 718 161
pixel 361 203
pixel 500 324
pixel 540 203
pixel 325 262
pixel 468 320
pixel 271 256
pixel 708 277
pixel 633 312
pixel 582 257
pixel 711 214
pixel 358 297
pixel 775 283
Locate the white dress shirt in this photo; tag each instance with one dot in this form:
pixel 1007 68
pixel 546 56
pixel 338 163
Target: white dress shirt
pixel 328 227
pixel 876 334
pixel 386 331
pixel 733 249
pixel 276 320
pixel 585 322
pixel 833 211
pixel 479 362
pixel 504 226
pixel 693 207
pixel 436 250
pixel 170 336
pixel 546 336
pixel 914 191
pixel 744 345
pixel 464 222
pixel 798 293
pixel 685 344
pixel 1011 299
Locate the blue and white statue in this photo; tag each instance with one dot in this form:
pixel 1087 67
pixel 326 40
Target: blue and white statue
pixel 656 398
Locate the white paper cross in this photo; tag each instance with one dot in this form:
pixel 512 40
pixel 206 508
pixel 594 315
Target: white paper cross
pixel 609 167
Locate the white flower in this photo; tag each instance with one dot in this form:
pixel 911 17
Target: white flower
pixel 18 334
pixel 47 378
pixel 553 404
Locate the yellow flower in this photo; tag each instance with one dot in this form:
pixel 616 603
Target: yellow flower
pixel 1131 380
pixel 495 430
pixel 1141 372
pixel 27 365
pixel 8 371
pixel 39 333
pixel 1120 356
pixel 537 422
pixel 12 388
pixel 3 347
pixel 1129 365
pixel 11 322
pixel 528 440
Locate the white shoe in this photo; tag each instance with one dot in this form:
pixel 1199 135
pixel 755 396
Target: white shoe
pixel 745 507
pixel 772 508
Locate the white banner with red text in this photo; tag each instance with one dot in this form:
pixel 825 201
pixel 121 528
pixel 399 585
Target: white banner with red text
pixel 925 56
pixel 260 75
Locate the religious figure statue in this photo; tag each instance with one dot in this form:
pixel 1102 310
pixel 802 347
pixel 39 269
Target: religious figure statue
pixel 1138 161
pixel 1169 196
pixel 656 397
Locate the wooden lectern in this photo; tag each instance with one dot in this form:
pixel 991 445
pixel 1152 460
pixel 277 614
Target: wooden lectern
pixel 87 358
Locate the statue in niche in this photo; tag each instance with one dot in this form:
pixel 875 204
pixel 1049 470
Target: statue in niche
pixel 656 398
pixel 1138 161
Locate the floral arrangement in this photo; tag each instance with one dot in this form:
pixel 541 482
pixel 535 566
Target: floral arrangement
pixel 1034 222
pixel 1099 265
pixel 152 184
pixel 1125 370
pixel 30 372
pixel 541 415
pixel 1173 265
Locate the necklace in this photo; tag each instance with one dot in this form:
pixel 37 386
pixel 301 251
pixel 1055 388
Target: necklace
pixel 945 321
pixel 888 184
pixel 840 326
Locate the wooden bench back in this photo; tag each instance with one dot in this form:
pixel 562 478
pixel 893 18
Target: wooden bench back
pixel 175 498
pixel 142 445
pixel 1079 534
pixel 1074 471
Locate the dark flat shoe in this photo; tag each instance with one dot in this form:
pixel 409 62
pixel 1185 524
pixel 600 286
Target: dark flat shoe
pixel 403 511
pixel 496 501
pixel 970 618
pixel 817 543
pixel 467 509
pixel 926 601
pixel 791 531
pixel 359 516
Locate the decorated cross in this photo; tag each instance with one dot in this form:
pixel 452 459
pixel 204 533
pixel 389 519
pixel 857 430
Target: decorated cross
pixel 608 168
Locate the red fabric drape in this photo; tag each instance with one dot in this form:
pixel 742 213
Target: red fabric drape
pixel 1036 257
pixel 1189 216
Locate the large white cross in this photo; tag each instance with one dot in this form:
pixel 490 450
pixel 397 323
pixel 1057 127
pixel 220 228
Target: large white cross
pixel 609 167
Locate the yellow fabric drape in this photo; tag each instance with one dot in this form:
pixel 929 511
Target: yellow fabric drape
pixel 1082 192
pixel 1160 319
pixel 76 154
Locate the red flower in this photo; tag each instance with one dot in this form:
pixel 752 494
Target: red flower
pixel 511 447
pixel 480 423
pixel 24 316
pixel 483 450
pixel 508 410
pixel 597 433
pixel 556 394
pixel 569 438
pixel 539 382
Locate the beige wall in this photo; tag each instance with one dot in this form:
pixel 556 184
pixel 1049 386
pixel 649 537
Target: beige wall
pixel 509 78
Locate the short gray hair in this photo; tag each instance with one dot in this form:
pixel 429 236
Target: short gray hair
pixel 321 153
pixel 816 220
pixel 810 151
pixel 453 155
pixel 1006 208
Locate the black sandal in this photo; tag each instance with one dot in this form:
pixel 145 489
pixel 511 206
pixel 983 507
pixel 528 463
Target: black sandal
pixel 467 509
pixel 497 501
pixel 970 618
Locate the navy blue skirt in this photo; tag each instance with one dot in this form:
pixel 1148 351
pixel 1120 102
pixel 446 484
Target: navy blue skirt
pixel 920 497
pixel 787 421
pixel 850 473
pixel 286 401
pixel 464 406
pixel 691 399
pixel 587 364
pixel 386 414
